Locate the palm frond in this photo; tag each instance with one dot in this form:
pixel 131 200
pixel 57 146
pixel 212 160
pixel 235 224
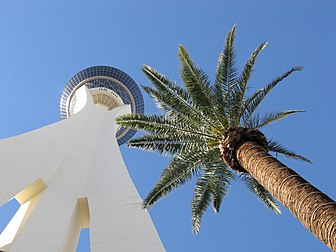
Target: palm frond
pixel 157 143
pixel 259 122
pixel 226 72
pixel 173 111
pixel 165 144
pixel 238 93
pixel 174 96
pixel 212 185
pixel 200 201
pixel 221 181
pixel 198 85
pixel 260 192
pixel 177 173
pixel 255 99
pixel 196 81
pixel 158 98
pixel 276 147
pixel 160 124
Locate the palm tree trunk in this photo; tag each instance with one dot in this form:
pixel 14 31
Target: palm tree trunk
pixel 314 209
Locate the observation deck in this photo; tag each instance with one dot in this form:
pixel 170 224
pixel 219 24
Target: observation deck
pixel 109 87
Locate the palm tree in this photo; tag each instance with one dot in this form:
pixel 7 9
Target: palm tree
pixel 211 131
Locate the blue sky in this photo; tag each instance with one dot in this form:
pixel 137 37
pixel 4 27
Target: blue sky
pixel 44 43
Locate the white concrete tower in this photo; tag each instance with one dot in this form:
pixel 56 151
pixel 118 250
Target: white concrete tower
pixel 70 175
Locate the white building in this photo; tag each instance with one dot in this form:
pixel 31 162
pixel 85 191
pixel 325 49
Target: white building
pixel 70 175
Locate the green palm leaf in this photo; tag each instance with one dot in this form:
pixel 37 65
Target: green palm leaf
pixel 261 192
pixel 162 144
pixel 237 105
pixel 177 173
pixel 174 96
pixel 198 86
pixel 165 144
pixel 196 81
pixel 257 122
pixel 278 148
pixel 159 98
pixel 226 73
pixel 220 184
pixel 211 186
pixel 160 124
pixel 254 100
pixel 200 201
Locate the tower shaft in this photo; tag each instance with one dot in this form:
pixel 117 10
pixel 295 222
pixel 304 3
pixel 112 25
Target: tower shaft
pixel 80 181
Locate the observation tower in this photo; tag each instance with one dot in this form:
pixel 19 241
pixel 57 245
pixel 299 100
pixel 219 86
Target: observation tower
pixel 70 175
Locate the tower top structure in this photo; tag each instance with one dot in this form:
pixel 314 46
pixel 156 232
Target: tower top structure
pixel 109 87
